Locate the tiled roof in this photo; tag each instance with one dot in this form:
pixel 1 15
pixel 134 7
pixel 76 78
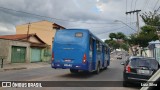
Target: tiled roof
pixel 22 37
pixel 14 37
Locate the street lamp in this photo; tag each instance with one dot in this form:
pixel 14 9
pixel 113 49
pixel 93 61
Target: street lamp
pixel 125 24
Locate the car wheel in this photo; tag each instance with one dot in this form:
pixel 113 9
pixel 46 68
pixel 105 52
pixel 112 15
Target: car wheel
pixel 124 84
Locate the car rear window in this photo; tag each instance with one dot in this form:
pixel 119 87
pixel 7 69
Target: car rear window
pixel 140 62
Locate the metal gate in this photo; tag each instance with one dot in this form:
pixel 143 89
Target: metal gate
pixel 35 55
pixel 18 54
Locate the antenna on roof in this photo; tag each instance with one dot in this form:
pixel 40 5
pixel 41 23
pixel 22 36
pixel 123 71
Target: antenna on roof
pixel 28 31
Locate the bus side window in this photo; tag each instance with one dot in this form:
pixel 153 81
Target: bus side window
pixel 98 46
pixel 91 44
pixel 106 50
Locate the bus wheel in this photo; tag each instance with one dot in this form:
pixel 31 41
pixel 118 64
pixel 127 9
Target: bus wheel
pixel 98 69
pixel 73 71
pixel 105 68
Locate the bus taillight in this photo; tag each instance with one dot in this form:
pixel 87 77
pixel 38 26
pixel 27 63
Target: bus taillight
pixel 52 56
pixel 84 58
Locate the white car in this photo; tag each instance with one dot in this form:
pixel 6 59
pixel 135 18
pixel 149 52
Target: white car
pixel 119 56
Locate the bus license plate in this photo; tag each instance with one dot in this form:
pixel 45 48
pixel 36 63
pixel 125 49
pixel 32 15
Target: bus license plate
pixel 68 65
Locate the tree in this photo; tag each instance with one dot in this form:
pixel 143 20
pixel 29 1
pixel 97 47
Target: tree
pixel 147 34
pixel 151 18
pixel 112 35
pixel 132 40
pixel 124 46
pixel 120 35
pixel 114 44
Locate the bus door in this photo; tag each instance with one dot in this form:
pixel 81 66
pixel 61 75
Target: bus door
pixel 92 52
pixel 103 56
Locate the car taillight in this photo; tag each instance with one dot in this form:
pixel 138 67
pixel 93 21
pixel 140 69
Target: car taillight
pixel 84 58
pixel 128 69
pixel 52 56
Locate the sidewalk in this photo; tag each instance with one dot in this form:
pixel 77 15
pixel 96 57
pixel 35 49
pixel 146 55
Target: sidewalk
pixel 20 66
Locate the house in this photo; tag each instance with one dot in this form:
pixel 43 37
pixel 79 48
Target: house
pixel 45 30
pixel 154 47
pixel 23 48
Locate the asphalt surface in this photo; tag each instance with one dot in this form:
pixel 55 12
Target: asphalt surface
pixel 113 73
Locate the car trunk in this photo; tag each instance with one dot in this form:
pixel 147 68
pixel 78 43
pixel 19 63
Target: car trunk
pixel 143 68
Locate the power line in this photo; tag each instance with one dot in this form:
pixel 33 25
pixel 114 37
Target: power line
pixel 64 20
pixel 89 27
pixel 135 11
pixel 131 4
pixel 131 10
pixel 134 8
pixel 157 9
pixel 111 30
pixel 155 5
pixel 135 4
pixel 145 3
pixel 126 5
pixel 126 10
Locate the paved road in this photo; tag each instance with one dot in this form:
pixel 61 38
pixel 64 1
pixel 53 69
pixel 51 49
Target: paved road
pixel 113 73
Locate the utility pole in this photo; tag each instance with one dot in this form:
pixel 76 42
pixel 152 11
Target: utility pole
pixel 28 31
pixel 135 11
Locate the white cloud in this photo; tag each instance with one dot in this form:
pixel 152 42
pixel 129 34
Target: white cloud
pixel 73 10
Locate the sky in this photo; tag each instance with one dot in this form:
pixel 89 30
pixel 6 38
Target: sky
pixel 101 17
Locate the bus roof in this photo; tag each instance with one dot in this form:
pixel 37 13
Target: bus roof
pixel 86 30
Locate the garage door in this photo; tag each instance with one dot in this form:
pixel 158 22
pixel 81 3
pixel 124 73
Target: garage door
pixel 35 55
pixel 18 54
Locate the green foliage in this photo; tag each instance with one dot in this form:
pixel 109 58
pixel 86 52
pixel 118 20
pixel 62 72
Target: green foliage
pixel 114 44
pixel 132 40
pixel 148 32
pixel 120 35
pixel 124 46
pixel 112 35
pixel 150 18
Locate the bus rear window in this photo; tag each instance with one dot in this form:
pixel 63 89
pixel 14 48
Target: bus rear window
pixel 79 34
pixel 70 37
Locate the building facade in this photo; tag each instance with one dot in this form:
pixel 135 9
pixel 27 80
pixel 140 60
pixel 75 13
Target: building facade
pixel 45 30
pixel 23 48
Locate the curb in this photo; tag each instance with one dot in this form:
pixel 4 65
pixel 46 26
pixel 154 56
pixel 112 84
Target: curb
pixel 1 70
pixel 9 69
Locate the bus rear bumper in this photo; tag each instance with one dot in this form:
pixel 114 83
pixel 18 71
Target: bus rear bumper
pixel 70 66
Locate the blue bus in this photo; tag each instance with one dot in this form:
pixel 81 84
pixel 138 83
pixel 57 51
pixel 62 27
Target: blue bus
pixel 79 50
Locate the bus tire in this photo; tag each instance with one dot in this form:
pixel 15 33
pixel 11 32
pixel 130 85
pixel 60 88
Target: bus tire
pixel 98 69
pixel 105 68
pixel 73 71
